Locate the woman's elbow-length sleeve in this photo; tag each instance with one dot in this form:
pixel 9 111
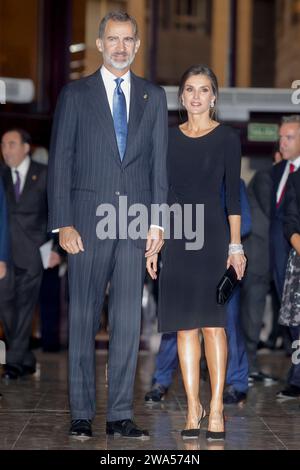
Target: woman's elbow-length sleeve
pixel 232 173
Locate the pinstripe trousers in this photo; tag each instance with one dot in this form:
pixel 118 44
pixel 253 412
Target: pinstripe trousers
pixel 122 264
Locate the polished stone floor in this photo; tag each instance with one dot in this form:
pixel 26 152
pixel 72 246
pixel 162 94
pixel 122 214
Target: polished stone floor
pixel 34 412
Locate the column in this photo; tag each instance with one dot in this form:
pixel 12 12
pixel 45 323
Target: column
pixel 244 43
pixel 220 39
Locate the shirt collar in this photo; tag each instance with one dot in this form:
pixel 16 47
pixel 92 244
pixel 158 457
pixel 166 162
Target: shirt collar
pixel 296 162
pixel 110 77
pixel 23 167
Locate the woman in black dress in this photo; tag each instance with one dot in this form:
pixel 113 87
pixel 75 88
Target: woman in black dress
pixel 203 155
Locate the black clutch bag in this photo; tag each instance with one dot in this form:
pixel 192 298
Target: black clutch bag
pixel 226 285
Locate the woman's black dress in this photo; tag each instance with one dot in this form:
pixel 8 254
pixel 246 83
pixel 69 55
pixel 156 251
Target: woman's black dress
pixel 199 170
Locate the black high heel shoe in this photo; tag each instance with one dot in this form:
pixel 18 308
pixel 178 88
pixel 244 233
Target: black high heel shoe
pixel 195 432
pixel 216 435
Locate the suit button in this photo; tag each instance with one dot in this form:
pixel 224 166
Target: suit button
pixel 117 193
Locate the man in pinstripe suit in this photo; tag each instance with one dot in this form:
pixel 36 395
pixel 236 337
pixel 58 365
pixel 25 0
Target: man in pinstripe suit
pixel 109 139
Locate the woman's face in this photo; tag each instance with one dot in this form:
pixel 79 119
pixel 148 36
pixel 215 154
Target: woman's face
pixel 197 94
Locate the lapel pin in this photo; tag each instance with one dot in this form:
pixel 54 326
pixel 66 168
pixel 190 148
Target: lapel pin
pixel 34 177
pixel 145 96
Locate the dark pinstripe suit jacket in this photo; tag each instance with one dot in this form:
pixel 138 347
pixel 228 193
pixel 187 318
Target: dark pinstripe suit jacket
pixel 84 166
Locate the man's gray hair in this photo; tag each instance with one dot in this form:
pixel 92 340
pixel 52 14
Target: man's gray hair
pixel 293 118
pixel 118 16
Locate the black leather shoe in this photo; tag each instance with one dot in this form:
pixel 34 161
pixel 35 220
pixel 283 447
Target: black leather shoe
pixel 11 373
pixel 194 433
pixel 28 370
pixel 156 394
pixel 261 377
pixel 290 392
pixel 126 428
pixel 81 428
pixel 233 397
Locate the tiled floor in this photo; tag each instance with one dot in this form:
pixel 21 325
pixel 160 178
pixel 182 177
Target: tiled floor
pixel 34 412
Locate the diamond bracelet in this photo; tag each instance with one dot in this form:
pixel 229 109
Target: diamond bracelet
pixel 235 248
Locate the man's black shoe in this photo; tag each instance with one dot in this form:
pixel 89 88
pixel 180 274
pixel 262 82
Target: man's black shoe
pixel 11 373
pixel 156 394
pixel 81 428
pixel 291 391
pixel 232 396
pixel 126 428
pixel 268 344
pixel 261 377
pixel 28 370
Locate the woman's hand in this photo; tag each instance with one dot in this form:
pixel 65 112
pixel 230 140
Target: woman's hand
pixel 151 266
pixel 295 242
pixel 238 261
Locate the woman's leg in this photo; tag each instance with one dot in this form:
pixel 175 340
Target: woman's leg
pixel 215 342
pixel 189 352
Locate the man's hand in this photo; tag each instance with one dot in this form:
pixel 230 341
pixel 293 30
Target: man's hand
pixel 70 240
pixel 155 241
pixel 54 259
pixel 2 269
pixel 151 265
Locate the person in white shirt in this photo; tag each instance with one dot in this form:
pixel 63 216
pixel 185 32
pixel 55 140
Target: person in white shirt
pixel 289 146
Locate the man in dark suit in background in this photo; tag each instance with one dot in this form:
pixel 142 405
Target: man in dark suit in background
pixel 109 140
pixel 4 249
pixel 289 140
pixel 291 227
pixel 289 146
pixel 25 187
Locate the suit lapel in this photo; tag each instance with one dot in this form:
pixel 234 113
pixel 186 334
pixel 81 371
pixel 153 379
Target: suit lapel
pixel 138 101
pixel 31 177
pixel 9 185
pixel 99 104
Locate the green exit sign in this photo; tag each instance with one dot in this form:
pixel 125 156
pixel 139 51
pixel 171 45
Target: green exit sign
pixel 259 132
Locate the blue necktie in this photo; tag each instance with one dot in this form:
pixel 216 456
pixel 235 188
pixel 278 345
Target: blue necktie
pixel 120 117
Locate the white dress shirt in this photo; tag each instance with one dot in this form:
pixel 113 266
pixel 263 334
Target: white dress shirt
pixel 285 176
pixel 110 86
pixel 23 170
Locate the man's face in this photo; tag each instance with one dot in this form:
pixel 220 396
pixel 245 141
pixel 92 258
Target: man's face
pixel 118 46
pixel 289 140
pixel 13 149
